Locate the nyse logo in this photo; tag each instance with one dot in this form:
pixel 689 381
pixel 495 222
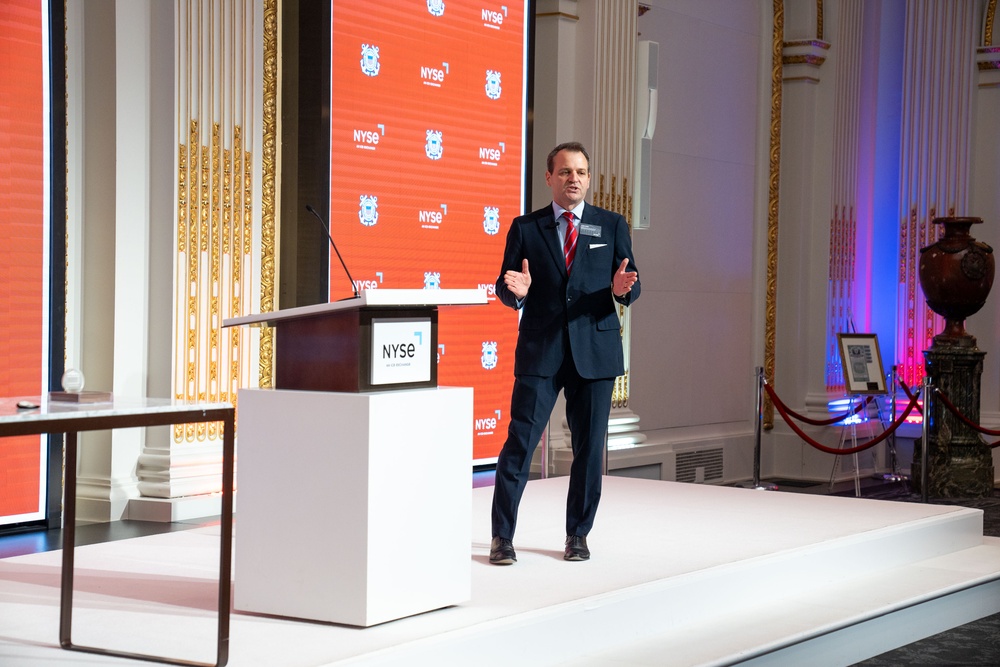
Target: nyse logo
pixel 432 76
pixel 434 148
pixel 431 219
pixel 435 7
pixel 399 351
pixel 494 19
pixel 493 89
pixel 491 220
pixel 368 210
pixel 368 139
pixel 491 290
pixel 490 156
pixel 432 280
pixel 369 284
pixel 486 425
pixel 369 60
pixel 489 356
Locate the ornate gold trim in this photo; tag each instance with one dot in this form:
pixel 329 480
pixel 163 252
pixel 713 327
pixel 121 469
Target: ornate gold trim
pixel 774 173
pixel 619 201
pixel 819 19
pixel 991 11
pixel 269 189
pixel 818 43
pixel 215 218
pixel 803 60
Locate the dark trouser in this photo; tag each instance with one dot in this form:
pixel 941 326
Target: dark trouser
pixel 588 406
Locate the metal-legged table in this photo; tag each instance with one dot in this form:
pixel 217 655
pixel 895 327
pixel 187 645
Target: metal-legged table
pixel 71 418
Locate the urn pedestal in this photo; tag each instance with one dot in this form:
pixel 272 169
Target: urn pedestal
pixel 956 275
pixel 960 464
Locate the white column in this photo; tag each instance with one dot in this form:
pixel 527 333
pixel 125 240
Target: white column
pixel 115 266
pixel 985 203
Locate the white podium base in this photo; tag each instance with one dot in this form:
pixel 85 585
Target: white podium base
pixel 354 508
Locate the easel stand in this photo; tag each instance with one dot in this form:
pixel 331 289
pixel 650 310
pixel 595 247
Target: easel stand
pixel 894 474
pixel 853 421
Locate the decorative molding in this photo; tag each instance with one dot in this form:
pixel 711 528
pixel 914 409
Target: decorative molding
pixel 802 59
pixel 619 201
pixel 987 55
pixel 988 66
pixel 558 15
pixel 773 191
pixel 988 59
pixel 215 212
pixel 802 43
pixel 268 251
pixel 991 11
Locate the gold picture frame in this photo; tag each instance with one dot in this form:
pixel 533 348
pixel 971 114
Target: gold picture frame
pixel 862 362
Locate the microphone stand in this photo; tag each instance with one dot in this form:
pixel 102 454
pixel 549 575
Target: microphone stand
pixel 326 228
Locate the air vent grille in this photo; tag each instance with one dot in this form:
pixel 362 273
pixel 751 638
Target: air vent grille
pixel 703 465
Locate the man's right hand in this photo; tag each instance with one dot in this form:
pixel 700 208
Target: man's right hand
pixel 518 282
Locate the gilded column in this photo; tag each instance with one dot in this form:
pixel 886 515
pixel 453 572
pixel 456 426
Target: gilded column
pixel 221 239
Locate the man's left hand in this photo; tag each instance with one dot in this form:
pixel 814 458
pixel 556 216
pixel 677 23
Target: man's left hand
pixel 622 281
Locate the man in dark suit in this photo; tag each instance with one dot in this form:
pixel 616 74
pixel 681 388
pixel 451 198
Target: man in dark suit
pixel 564 267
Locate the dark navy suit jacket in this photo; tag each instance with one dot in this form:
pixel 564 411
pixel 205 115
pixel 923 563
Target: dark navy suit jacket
pixel 581 303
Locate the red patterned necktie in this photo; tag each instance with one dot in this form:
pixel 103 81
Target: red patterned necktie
pixel 569 246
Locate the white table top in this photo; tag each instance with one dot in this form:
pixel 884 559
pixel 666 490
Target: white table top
pixel 49 410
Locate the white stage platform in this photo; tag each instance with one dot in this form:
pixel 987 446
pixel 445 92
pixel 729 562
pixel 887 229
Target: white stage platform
pixel 681 574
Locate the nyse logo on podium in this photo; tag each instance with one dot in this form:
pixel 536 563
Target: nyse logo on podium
pixel 401 350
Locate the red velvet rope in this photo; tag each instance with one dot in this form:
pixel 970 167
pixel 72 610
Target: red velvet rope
pixel 965 420
pixel 828 422
pixel 910 395
pixel 783 411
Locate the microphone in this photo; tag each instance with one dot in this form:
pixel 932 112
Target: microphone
pixel 334 245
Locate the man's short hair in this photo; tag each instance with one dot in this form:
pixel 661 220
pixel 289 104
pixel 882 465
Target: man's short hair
pixel 573 146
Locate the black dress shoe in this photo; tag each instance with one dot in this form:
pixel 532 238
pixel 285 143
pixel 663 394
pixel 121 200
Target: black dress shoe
pixel 576 548
pixel 502 551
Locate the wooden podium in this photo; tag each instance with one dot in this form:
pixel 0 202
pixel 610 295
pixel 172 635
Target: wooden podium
pixel 359 345
pixel 355 497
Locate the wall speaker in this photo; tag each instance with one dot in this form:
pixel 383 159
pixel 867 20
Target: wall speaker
pixel 647 54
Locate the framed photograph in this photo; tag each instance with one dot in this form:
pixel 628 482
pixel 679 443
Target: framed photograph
pixel 862 363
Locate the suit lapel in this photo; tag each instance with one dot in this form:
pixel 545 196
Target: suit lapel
pixel 550 234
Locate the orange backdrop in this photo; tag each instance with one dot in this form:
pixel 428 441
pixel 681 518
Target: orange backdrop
pixel 21 250
pixel 427 124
